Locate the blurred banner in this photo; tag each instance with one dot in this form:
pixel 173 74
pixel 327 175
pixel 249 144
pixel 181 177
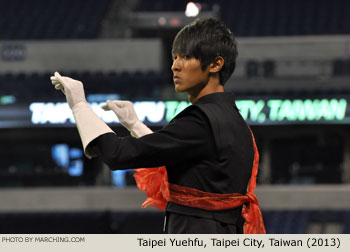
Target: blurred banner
pixel 256 111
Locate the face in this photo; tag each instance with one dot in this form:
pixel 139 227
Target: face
pixel 188 74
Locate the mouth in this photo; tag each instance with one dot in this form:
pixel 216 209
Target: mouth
pixel 176 79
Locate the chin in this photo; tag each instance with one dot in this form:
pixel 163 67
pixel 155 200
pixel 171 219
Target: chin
pixel 178 89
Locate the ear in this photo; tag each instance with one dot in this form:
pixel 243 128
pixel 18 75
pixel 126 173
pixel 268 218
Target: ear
pixel 216 65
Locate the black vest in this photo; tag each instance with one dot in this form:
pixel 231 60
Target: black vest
pixel 229 167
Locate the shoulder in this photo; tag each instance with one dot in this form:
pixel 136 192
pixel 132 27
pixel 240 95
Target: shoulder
pixel 192 111
pixel 191 117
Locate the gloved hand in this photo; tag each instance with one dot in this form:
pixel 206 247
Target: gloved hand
pixel 73 89
pixel 127 117
pixel 89 125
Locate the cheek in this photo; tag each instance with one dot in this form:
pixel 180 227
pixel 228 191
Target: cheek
pixel 195 74
pixel 198 76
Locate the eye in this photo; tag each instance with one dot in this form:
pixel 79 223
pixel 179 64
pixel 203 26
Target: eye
pixel 181 56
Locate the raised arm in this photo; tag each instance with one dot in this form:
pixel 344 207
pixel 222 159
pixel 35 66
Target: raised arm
pixel 185 138
pixel 89 125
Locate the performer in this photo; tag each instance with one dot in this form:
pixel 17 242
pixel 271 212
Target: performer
pixel 206 156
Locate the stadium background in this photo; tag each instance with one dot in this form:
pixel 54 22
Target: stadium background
pixel 291 83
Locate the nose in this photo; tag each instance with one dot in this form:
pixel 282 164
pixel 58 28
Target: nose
pixel 176 66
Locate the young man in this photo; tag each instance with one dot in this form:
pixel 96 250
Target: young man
pixel 208 150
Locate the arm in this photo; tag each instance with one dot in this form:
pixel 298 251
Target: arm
pixel 88 123
pixel 185 139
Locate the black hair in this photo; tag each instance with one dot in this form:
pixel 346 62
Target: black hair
pixel 205 39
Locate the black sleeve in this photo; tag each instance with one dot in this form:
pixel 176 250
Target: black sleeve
pixel 184 139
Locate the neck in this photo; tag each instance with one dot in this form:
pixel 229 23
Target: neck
pixel 209 88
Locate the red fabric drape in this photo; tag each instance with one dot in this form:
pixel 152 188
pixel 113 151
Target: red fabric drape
pixel 159 191
pixel 155 182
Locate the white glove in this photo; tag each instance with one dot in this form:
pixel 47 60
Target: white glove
pixel 127 117
pixel 89 125
pixel 73 89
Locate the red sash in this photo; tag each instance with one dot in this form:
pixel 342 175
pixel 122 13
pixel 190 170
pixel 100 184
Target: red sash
pixel 159 191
